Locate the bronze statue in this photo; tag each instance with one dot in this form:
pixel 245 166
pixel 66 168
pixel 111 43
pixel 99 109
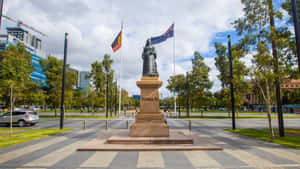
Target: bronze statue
pixel 149 60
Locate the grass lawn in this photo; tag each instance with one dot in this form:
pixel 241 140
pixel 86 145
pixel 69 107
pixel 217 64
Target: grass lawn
pixel 79 117
pixel 240 112
pixel 288 140
pixel 6 130
pixel 68 111
pixel 26 136
pixel 222 117
pixel 237 117
pixel 291 131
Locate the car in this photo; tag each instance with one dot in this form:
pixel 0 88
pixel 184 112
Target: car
pixel 222 109
pixel 20 117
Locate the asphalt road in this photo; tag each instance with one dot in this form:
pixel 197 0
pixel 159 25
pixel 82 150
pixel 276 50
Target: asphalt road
pixel 58 152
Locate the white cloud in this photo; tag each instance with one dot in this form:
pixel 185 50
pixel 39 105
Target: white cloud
pixel 93 24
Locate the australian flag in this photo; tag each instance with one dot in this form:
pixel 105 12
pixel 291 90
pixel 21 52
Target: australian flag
pixel 168 34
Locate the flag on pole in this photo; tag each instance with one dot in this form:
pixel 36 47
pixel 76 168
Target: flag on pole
pixel 118 41
pixel 168 34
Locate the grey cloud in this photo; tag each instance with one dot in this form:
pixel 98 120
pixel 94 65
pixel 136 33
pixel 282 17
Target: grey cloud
pixel 93 24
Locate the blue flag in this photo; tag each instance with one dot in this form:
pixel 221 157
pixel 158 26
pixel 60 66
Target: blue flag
pixel 168 34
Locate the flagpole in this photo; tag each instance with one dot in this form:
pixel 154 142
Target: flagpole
pixel 174 62
pixel 120 91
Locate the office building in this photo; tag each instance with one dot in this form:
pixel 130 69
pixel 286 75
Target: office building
pixel 33 44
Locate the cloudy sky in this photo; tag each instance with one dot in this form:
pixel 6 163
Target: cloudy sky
pixel 93 24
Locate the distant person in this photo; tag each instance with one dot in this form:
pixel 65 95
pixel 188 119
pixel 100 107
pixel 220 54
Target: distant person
pixel 165 117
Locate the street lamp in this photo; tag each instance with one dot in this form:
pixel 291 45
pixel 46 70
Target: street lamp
pixel 62 110
pixel 297 29
pixel 231 83
pixel 188 95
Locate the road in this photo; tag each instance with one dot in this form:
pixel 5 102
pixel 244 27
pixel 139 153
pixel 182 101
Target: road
pixel 58 152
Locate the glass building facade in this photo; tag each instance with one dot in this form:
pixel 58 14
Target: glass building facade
pixel 84 81
pixel 17 35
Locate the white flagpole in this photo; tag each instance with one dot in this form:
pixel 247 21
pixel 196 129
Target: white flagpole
pixel 120 89
pixel 174 62
pixel 120 94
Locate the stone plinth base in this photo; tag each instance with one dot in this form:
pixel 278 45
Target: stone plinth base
pixel 179 140
pixel 149 122
pixel 149 129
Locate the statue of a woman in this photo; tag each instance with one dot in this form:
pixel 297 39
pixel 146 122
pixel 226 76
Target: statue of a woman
pixel 149 60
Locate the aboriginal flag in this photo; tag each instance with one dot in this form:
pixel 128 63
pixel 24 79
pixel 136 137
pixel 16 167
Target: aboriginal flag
pixel 117 42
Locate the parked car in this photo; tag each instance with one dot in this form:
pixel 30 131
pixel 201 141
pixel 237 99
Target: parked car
pixel 20 117
pixel 222 109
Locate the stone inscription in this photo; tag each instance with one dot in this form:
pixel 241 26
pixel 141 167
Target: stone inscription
pixel 149 98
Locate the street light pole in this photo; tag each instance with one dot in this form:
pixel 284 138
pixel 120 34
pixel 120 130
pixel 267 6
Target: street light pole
pixel 1 12
pixel 297 29
pixel 188 95
pixel 62 110
pixel 231 83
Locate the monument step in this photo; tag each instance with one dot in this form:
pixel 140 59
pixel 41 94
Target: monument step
pixel 173 139
pixel 100 143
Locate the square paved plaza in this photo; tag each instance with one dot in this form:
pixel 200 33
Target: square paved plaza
pixel 59 152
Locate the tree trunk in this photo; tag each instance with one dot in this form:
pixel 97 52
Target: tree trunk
pixel 55 113
pixel 11 108
pixel 269 110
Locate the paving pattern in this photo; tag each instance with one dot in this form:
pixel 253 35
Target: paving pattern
pixel 59 152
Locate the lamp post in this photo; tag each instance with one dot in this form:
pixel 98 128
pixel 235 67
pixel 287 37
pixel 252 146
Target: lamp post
pixel 188 95
pixel 297 29
pixel 1 12
pixel 62 110
pixel 231 83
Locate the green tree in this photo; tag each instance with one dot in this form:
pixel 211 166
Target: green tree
pixel 200 83
pixel 240 72
pixel 288 7
pixel 177 85
pixel 260 37
pixel 53 69
pixel 15 72
pixel 99 74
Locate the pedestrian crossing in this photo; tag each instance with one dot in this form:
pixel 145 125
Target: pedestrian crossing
pixel 150 160
pixel 52 158
pixel 196 159
pixel 100 159
pixel 28 149
pixel 201 159
pixel 282 153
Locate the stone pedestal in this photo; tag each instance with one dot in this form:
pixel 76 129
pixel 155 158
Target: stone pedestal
pixel 149 122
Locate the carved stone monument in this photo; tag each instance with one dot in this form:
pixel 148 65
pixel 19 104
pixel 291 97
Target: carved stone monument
pixel 149 132
pixel 149 122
